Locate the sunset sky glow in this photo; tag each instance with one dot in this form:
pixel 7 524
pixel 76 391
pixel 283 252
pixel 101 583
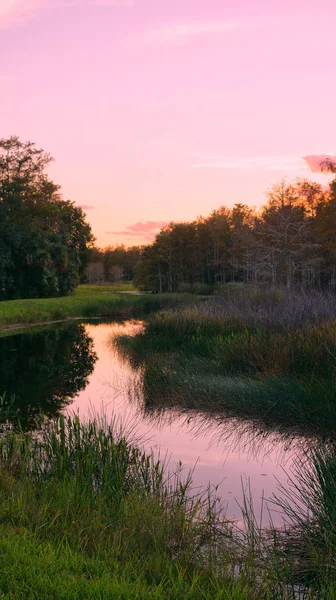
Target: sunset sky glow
pixel 159 110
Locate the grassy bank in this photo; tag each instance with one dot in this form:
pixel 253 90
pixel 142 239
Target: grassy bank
pixel 268 355
pixel 87 301
pixel 84 514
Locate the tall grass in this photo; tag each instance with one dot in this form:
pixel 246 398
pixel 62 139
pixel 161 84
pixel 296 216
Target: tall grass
pixel 84 513
pixel 86 493
pixel 256 354
pixel 251 332
pixel 308 503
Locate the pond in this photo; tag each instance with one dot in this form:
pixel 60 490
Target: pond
pixel 76 368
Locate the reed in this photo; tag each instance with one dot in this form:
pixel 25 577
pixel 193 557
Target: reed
pixel 86 503
pixel 85 513
pixel 268 356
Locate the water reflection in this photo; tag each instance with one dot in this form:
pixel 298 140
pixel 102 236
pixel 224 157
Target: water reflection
pixel 57 370
pixel 41 372
pixel 228 453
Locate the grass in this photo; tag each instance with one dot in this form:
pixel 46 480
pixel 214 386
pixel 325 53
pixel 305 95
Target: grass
pixel 86 514
pixel 263 355
pixel 88 301
pixel 309 505
pixel 248 333
pixel 33 569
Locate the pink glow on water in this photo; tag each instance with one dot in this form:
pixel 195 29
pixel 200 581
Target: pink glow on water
pixel 220 453
pixel 158 110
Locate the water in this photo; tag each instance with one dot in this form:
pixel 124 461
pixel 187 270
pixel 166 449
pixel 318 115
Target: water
pixel 74 368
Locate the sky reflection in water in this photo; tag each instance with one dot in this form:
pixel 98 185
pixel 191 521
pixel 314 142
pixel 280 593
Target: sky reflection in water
pixel 227 453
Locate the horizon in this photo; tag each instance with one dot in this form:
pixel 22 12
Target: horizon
pixel 158 112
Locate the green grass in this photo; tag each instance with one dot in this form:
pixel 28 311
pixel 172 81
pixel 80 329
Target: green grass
pixel 32 568
pixel 85 514
pixel 266 357
pixel 86 301
pixel 309 503
pixel 236 348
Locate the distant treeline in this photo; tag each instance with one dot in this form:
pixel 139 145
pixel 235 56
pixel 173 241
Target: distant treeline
pixel 44 239
pixel 290 241
pixel 112 264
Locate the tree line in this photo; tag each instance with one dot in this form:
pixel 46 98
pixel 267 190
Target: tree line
pixel 291 240
pixel 112 264
pixel 44 239
pixel 46 244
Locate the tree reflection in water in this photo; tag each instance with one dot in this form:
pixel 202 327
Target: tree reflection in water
pixel 41 372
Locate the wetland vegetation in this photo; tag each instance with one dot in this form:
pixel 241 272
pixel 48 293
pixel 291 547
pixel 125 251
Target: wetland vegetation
pixel 87 301
pixel 267 355
pixel 242 333
pixel 102 517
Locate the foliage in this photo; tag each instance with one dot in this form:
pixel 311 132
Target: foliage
pixel 42 371
pixel 265 355
pixel 86 514
pixel 44 239
pixel 112 264
pixel 291 241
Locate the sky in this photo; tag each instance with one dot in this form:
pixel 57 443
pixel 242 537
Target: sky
pixel 161 110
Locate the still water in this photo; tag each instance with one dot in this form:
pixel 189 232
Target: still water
pixel 76 368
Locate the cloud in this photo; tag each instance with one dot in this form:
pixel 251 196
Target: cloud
pixel 314 161
pixel 174 34
pixel 146 226
pixel 262 163
pixel 16 12
pixel 144 229
pixel 86 206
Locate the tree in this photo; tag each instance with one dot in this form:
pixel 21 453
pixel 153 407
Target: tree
pixel 291 241
pixel 44 239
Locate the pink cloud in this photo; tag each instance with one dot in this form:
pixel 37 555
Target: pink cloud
pixel 260 163
pixel 124 233
pixel 146 230
pixel 146 226
pixel 314 161
pixel 145 237
pixel 86 206
pixel 140 228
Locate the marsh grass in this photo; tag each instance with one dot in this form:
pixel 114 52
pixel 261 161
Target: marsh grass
pixel 112 518
pixel 250 332
pixel 268 356
pixel 86 514
pixel 308 541
pixel 88 301
pixel 300 407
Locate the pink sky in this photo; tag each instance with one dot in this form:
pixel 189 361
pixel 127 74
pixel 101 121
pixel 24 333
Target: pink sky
pixel 159 110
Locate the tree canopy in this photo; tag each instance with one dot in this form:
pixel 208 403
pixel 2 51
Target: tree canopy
pixel 44 239
pixel 290 241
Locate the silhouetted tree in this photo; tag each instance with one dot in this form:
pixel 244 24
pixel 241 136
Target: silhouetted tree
pixel 290 241
pixel 44 239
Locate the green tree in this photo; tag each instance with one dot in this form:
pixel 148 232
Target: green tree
pixel 44 239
